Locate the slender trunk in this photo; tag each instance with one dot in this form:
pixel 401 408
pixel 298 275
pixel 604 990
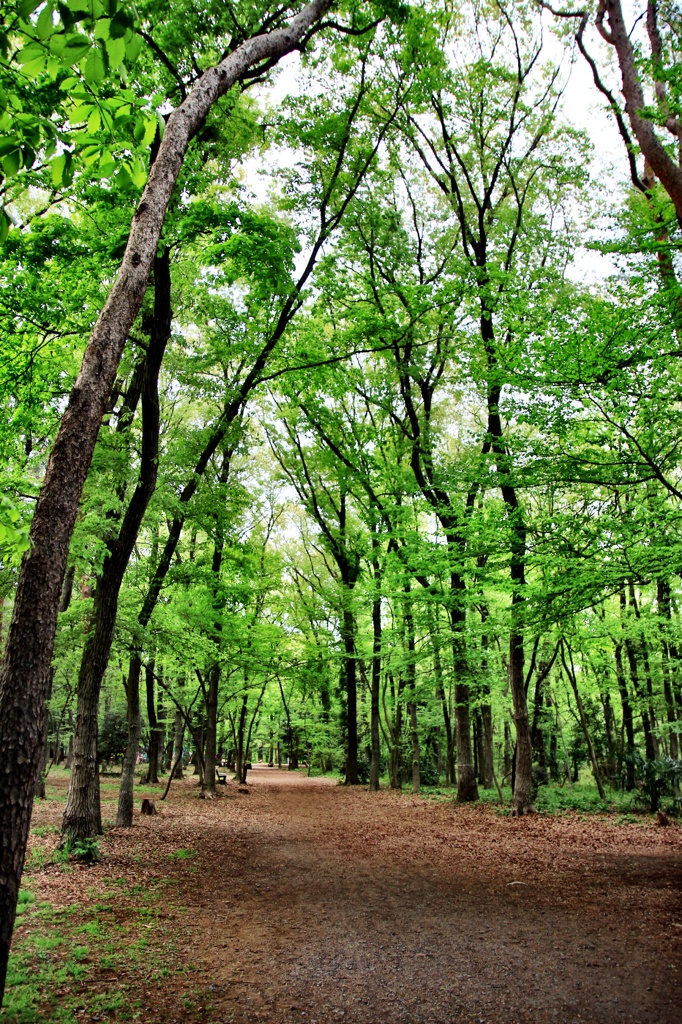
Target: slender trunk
pixel 395 733
pixel 154 728
pixel 442 697
pixel 485 724
pixel 487 766
pixel 178 740
pixel 628 721
pixel 523 762
pixel 507 751
pixel 348 631
pixel 412 708
pixel 467 788
pixel 376 675
pixel 570 672
pixel 208 788
pixel 567 760
pixel 240 751
pixel 126 796
pixel 40 781
pixel 537 738
pixel 663 597
pixel 649 744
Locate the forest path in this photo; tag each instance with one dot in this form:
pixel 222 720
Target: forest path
pixel 319 903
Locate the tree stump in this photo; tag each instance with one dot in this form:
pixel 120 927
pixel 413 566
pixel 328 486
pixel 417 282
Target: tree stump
pixel 148 807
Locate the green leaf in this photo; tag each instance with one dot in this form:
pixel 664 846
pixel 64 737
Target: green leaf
pixel 107 164
pixel 149 131
pixel 75 49
pixel 5 224
pixel 95 70
pixel 30 53
pixel 133 48
pixel 44 25
pixel 69 83
pixel 94 121
pixel 34 67
pixel 123 179
pixel 57 169
pixel 138 172
pixel 12 162
pixel 120 24
pixel 27 7
pixel 116 50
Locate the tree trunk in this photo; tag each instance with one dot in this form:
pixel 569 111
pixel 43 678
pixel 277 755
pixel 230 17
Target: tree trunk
pixel 126 796
pixel 240 752
pixel 664 167
pixel 583 722
pixel 82 815
pixel 348 631
pixel 208 787
pixel 24 680
pixel 487 766
pixel 376 684
pixel 628 722
pixel 664 611
pixel 649 744
pixel 40 781
pixel 178 742
pixel 155 731
pixel 467 788
pixel 412 708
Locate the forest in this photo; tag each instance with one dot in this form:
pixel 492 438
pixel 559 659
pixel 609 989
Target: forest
pixel 339 378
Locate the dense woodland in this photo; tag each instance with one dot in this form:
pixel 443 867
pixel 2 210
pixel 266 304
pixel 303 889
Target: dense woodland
pixel 388 482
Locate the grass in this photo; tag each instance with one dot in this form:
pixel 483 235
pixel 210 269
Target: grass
pixel 182 854
pixel 60 954
pixel 95 958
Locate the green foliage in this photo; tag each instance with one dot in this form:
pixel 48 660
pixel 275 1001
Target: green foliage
pixel 659 776
pixel 83 851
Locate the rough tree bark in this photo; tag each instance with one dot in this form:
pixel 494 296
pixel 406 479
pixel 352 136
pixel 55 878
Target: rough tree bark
pixel 25 672
pixel 126 794
pixel 82 814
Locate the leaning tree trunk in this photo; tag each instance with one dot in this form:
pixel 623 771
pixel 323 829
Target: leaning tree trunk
pixel 25 673
pixel 126 796
pixel 82 815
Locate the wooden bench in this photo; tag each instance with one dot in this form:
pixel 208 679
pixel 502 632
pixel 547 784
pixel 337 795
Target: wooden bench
pixel 221 776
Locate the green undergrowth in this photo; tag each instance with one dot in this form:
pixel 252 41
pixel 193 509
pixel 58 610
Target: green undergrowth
pixel 581 798
pixel 96 955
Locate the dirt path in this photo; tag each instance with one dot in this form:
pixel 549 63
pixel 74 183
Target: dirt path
pixel 333 904
pixel 308 902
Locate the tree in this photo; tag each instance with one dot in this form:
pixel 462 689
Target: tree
pixel 24 679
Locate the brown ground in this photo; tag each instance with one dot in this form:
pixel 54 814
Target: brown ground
pixel 308 902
